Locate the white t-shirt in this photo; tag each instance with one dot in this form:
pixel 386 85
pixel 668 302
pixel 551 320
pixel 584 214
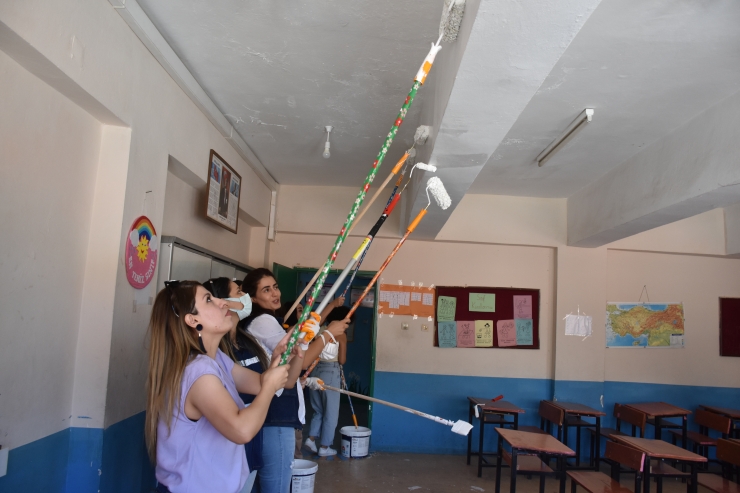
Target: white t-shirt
pixel 268 332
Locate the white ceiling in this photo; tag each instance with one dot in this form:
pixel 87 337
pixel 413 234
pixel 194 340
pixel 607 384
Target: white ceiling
pixel 645 66
pixel 281 71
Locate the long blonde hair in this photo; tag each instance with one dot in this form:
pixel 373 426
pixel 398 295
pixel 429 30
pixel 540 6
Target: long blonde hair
pixel 173 344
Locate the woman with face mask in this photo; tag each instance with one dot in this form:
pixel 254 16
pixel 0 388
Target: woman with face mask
pixel 247 352
pixel 196 423
pixel 287 412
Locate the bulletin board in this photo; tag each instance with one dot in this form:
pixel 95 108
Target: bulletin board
pixel 487 313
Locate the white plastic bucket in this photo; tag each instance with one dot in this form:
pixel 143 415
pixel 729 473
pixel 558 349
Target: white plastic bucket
pixel 355 441
pixel 304 476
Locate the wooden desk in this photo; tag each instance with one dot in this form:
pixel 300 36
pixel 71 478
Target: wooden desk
pixel 581 411
pixel 522 442
pixel 487 406
pixel 733 414
pixel 660 410
pixel 658 449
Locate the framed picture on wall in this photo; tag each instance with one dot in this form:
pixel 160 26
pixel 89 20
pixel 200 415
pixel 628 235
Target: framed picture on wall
pixel 224 193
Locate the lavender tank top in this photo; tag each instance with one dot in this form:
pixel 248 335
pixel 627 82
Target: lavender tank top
pixel 194 457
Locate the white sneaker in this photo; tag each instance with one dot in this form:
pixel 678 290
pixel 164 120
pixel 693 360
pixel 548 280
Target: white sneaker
pixel 327 452
pixel 311 445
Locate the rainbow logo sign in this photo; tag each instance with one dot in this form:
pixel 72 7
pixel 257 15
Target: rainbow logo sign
pixel 141 253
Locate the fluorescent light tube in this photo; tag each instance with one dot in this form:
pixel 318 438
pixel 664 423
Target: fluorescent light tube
pixel 570 132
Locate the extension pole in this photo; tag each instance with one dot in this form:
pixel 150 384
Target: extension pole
pixel 419 79
pixel 436 419
pixel 344 386
pixel 400 243
pixel 357 220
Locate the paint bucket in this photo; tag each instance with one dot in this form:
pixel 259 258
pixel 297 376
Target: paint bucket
pixel 355 441
pixel 304 475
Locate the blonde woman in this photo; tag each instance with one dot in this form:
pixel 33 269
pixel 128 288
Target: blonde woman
pixel 196 423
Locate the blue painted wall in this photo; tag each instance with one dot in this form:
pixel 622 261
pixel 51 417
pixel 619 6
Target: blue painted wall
pixel 81 460
pixel 446 396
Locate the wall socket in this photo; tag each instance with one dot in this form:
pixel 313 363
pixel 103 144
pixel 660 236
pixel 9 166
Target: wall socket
pixel 3 461
pixel 405 326
pixel 425 328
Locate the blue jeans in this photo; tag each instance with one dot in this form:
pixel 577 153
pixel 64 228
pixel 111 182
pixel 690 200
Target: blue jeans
pixel 325 404
pixel 278 446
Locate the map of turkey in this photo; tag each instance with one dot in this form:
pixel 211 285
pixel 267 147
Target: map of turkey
pixel 644 324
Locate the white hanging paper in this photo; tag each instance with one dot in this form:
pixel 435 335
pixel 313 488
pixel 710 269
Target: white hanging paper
pixel 578 325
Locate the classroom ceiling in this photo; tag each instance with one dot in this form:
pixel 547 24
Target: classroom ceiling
pixel 281 71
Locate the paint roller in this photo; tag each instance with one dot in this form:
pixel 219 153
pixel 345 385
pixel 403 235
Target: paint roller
pixel 356 260
pixel 452 14
pixel 442 198
pixel 423 166
pixel 460 427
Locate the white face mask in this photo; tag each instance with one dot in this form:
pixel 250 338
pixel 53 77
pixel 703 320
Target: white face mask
pixel 246 301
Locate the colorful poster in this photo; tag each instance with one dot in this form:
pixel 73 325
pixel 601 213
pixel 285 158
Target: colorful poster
pixel 524 332
pixel 447 334
pixel 481 302
pixel 644 325
pixel 466 334
pixel 141 253
pixel 506 332
pixel 446 306
pixel 484 333
pixel 522 306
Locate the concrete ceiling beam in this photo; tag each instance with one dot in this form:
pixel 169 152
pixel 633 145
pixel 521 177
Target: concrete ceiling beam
pixel 510 49
pixel 692 170
pixel 732 230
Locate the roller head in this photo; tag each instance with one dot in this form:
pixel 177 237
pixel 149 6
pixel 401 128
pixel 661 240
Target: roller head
pixel 422 134
pixel 426 167
pixel 437 189
pixel 462 427
pixel 452 15
pixel 412 152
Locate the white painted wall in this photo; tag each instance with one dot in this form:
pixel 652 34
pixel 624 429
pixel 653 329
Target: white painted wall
pixel 184 217
pixel 47 184
pixel 698 282
pixel 118 79
pixel 516 241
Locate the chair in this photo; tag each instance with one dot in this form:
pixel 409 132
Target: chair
pixel 728 454
pixel 598 482
pixel 624 414
pixel 549 415
pixel 701 440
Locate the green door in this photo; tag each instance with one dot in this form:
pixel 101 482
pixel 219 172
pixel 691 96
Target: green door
pixel 287 279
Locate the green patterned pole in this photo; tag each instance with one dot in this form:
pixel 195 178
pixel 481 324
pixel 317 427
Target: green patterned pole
pixel 421 76
pixel 351 217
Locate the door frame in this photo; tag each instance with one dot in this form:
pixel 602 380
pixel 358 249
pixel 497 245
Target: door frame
pixel 373 344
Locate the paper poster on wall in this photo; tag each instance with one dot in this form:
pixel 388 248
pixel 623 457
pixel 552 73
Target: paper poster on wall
pixel 481 302
pixel 466 334
pixel 577 325
pixel 484 333
pixel 446 308
pixel 522 306
pixel 506 332
pixel 447 334
pixel 406 300
pixel 523 331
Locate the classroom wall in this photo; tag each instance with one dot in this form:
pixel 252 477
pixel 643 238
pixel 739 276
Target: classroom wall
pixel 517 241
pixel 48 171
pixel 184 217
pixel 84 50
